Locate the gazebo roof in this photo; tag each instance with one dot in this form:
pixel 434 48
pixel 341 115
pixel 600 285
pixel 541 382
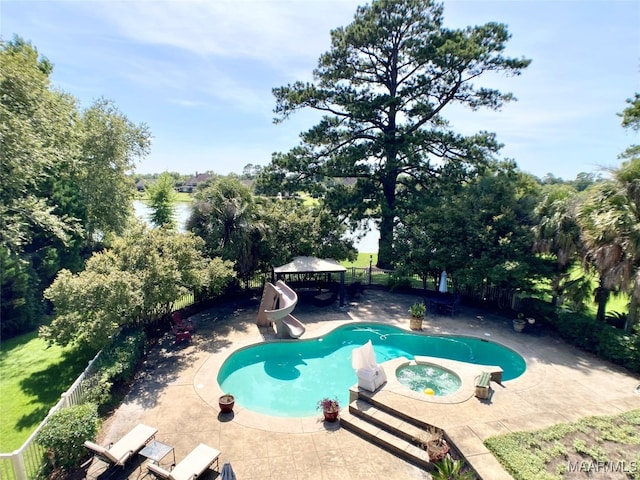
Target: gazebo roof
pixel 310 265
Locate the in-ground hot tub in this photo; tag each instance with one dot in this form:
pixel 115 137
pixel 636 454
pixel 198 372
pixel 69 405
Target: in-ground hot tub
pixel 428 378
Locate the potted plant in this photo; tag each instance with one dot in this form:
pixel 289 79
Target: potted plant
pixel 226 403
pixel 434 443
pixel 417 311
pixel 519 322
pixel 330 408
pixel 450 469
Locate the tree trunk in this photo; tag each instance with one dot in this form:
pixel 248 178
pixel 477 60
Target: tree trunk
pixel 602 295
pixel 385 245
pixel 388 214
pixel 632 317
pixel 555 283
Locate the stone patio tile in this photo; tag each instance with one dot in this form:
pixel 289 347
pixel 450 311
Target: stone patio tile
pixel 176 391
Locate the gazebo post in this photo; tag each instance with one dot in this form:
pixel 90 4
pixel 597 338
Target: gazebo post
pixel 342 289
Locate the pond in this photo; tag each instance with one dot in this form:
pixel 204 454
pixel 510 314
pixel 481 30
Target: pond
pixel 182 210
pixel 367 244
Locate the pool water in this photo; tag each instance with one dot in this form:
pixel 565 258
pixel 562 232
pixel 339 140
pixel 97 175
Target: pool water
pixel 428 379
pixel 286 379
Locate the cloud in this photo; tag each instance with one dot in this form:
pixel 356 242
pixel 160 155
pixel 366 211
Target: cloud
pixel 215 53
pixel 273 32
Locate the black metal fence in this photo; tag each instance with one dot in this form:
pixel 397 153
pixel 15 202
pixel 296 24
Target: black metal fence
pixel 500 298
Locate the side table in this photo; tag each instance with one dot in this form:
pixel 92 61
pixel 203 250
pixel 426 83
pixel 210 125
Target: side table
pixel 155 451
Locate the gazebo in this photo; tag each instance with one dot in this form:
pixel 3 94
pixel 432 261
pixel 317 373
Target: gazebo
pixel 302 265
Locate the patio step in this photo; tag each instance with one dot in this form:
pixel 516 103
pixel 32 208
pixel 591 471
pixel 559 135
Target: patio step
pixel 385 431
pixel 370 398
pixel 397 433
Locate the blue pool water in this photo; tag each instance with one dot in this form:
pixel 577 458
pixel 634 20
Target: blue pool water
pixel 286 379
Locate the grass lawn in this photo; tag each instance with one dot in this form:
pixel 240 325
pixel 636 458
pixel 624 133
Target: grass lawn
pixel 362 261
pixel 33 378
pixel 180 197
pixel 594 447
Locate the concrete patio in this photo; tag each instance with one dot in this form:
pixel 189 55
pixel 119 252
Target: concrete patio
pixel 176 391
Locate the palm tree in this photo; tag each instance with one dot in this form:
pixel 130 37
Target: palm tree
pixel 628 179
pixel 224 214
pixel 557 231
pixel 610 225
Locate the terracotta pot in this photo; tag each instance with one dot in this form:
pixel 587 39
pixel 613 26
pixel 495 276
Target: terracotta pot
pixel 226 403
pixel 330 415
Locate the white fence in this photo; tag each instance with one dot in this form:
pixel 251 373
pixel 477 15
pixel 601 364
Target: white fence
pixel 27 462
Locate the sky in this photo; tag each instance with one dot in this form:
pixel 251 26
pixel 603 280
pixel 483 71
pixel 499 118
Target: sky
pixel 200 74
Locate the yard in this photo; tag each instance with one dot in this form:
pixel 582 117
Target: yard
pixel 34 375
pixel 595 447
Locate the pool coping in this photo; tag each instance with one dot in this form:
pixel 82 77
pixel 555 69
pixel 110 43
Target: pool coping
pixel 467 372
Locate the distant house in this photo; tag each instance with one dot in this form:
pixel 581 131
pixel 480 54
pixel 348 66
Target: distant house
pixel 141 185
pixel 191 184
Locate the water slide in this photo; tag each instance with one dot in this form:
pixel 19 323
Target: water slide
pixel 278 301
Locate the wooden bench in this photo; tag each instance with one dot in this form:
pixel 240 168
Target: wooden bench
pixel 482 385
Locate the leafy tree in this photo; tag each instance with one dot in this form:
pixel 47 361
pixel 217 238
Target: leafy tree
pixel 135 282
pixel 20 297
pixel 62 175
pixel 479 232
pixel 382 89
pixel 111 145
pixel 293 229
pixel 631 114
pixel 257 233
pixel 38 127
pixel 161 195
pixel 251 171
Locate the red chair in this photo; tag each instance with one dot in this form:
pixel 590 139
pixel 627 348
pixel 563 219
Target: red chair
pixel 181 335
pixel 181 324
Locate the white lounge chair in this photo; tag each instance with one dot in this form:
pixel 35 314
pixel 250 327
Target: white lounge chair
pixel 119 452
pixel 191 466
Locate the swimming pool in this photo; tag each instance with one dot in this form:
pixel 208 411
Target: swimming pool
pixel 286 379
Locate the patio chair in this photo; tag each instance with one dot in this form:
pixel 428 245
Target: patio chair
pixel 180 335
pixel 119 452
pixel 182 324
pixel 451 307
pixel 191 466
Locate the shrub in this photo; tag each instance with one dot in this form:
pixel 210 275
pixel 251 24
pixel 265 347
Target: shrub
pixel 616 319
pixel 399 283
pixel 542 311
pixel 580 330
pixel 97 389
pixel 620 348
pixel 65 432
pixel 115 365
pixel 609 343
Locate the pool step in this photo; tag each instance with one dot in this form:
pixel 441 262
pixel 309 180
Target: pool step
pixel 371 399
pixel 386 430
